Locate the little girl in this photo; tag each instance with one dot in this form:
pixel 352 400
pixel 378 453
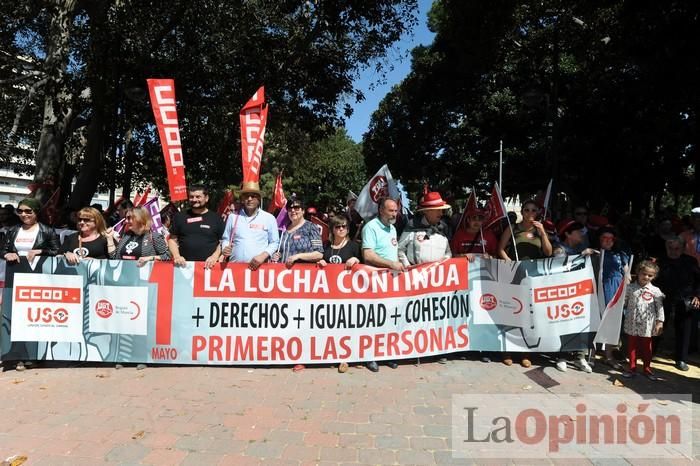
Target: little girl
pixel 644 317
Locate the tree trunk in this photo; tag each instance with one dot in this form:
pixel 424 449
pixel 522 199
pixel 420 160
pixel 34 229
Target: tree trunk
pixel 58 111
pixel 89 175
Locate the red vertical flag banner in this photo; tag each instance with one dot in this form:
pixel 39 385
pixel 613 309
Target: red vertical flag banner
pixel 495 210
pixel 253 118
pixel 278 198
pixel 162 93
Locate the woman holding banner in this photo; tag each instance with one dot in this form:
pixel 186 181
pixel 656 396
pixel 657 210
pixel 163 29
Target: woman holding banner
pixel 92 241
pixel 300 242
pixel 527 239
pixel 30 238
pixel 139 242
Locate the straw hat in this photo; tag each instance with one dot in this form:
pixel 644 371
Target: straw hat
pixel 251 187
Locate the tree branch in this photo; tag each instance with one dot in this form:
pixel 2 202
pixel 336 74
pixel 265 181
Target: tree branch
pixel 25 102
pixel 24 77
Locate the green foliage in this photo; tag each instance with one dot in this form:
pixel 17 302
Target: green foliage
pixel 307 54
pixel 602 97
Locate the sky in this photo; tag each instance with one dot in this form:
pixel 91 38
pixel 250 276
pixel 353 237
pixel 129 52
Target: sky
pixel 400 57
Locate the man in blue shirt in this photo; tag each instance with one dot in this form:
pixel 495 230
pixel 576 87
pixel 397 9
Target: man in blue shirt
pixel 380 248
pixel 251 234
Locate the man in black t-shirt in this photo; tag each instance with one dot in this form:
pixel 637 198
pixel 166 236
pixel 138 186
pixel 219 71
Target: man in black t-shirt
pixel 196 233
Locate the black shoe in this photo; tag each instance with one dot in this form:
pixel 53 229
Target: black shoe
pixel 442 361
pixel 392 364
pixel 682 366
pixel 372 366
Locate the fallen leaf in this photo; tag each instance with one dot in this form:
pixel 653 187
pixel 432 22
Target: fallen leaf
pixel 527 387
pixel 43 387
pixel 14 460
pixel 617 383
pixel 16 381
pixel 101 376
pixel 662 402
pixel 138 435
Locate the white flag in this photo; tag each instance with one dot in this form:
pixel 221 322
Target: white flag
pixel 609 328
pixel 380 185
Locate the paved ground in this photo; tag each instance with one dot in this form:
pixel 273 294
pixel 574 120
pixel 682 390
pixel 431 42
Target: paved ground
pixel 82 414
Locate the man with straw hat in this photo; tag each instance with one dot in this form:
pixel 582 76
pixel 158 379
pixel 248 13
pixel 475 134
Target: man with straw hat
pixel 251 234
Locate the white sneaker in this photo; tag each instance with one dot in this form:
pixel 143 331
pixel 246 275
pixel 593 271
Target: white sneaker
pixel 582 364
pixel 561 364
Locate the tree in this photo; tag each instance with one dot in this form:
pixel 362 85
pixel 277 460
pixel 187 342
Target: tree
pixel 589 94
pixel 96 55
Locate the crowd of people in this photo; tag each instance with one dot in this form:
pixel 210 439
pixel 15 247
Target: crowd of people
pixel 666 286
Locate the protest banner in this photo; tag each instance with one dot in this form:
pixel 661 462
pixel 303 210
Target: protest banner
pixel 303 315
pixel 253 119
pixel 162 93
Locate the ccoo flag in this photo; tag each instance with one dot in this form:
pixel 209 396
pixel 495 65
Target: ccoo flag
pixel 162 93
pixel 253 118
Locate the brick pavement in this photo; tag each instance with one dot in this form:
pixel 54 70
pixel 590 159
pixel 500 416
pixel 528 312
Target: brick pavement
pixel 84 414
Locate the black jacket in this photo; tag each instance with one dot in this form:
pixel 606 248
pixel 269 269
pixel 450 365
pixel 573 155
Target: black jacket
pixel 46 240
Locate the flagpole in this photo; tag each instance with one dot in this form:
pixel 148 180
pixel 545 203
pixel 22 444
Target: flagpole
pixel 500 164
pixel 481 230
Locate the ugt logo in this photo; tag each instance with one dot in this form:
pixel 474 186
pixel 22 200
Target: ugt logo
pixel 47 315
pixel 378 188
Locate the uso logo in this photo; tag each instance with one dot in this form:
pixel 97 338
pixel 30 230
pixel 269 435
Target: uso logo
pixel 378 188
pixel 488 302
pixel 103 308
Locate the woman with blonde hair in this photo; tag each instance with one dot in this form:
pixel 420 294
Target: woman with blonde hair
pixel 92 241
pixel 139 242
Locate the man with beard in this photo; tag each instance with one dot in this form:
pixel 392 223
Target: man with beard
pixel 251 234
pixel 380 247
pixel 195 234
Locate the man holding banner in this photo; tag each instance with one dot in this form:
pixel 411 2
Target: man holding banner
pixel 195 234
pixel 251 233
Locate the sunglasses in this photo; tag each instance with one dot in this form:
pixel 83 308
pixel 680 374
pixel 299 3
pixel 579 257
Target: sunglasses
pixel 24 211
pixel 295 207
pixel 338 227
pixel 85 220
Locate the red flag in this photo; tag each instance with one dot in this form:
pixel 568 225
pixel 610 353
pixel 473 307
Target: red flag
pixel 469 209
pixel 225 202
pixel 322 228
pixel 165 112
pixel 49 211
pixel 278 197
pixel 253 118
pixel 494 209
pixel 140 200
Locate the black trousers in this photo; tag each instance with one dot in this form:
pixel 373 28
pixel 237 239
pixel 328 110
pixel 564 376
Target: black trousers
pixel 683 326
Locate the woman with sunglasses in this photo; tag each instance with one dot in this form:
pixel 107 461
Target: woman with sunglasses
pixel 139 242
pixel 92 241
pixel 30 238
pixel 341 250
pixel 531 240
pixel 301 242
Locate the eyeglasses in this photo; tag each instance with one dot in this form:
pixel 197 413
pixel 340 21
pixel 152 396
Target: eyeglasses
pixel 295 207
pixel 24 211
pixel 85 220
pixel 338 227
